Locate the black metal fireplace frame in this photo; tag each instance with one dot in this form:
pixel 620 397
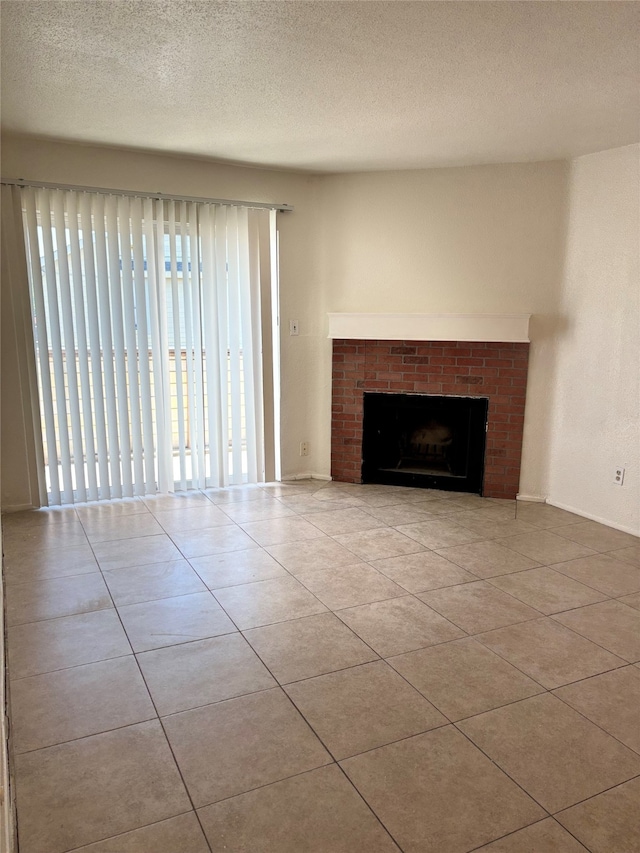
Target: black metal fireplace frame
pixel 386 460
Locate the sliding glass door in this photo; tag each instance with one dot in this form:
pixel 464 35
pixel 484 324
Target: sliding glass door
pixel 151 337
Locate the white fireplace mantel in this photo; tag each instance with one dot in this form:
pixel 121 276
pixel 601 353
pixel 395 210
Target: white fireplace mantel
pixel 508 328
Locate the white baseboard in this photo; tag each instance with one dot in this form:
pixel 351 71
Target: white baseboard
pixel 17 508
pixel 306 475
pixel 623 527
pixel 538 499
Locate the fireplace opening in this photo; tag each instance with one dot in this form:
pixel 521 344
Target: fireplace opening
pixel 423 440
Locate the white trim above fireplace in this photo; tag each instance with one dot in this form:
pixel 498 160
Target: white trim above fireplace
pixel 508 328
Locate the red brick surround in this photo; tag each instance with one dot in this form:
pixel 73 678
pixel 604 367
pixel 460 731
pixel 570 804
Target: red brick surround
pixel 468 369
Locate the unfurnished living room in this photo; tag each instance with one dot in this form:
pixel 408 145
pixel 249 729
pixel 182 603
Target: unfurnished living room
pixel 320 427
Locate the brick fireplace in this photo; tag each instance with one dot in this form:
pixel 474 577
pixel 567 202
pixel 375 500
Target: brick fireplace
pixel 495 370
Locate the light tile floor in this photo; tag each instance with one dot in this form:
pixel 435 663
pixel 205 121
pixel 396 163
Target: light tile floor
pixel 324 668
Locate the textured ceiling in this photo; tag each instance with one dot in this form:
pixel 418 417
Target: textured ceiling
pixel 327 86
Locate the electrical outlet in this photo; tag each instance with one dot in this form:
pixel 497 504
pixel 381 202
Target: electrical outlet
pixel 294 327
pixel 619 476
pixel 304 448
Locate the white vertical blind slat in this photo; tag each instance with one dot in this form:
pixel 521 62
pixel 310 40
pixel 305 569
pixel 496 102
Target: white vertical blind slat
pixel 76 463
pixel 214 438
pixel 235 344
pixel 82 348
pixel 159 343
pixel 57 351
pixel 41 340
pixel 252 333
pixel 190 357
pixel 115 289
pixel 247 335
pixel 95 345
pixel 104 308
pixel 148 443
pixel 219 354
pixel 177 343
pixel 131 347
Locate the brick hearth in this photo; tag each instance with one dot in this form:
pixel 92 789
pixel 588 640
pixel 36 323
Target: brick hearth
pixel 497 371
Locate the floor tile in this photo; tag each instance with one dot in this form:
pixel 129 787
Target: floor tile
pixel 608 822
pixel 70 641
pixel 487 559
pixel 399 625
pixel 549 749
pixel 182 833
pixel 310 646
pixel 266 602
pixel 16 541
pixel 44 515
pixel 613 625
pixel 53 563
pixel 121 527
pixel 544 515
pixel 257 510
pixel 336 522
pixel 444 507
pixel 396 514
pixel 278 531
pixel 611 701
pixel 321 553
pixel 50 599
pixel 212 540
pixel 547 590
pixel 422 571
pixel 234 494
pixel 109 509
pixel 348 586
pixel 463 677
pixel 362 708
pixel 544 837
pixel 194 518
pixel 494 529
pixel 203 672
pixel 176 501
pixel 251 741
pixel 156 580
pixel 137 551
pixel 307 504
pixel 478 606
pixel 437 793
pixel 134 781
pixel 549 653
pixel 237 567
pixel 602 572
pixel 73 703
pixel 378 544
pixel 628 555
pixel 546 547
pixel 439 533
pixel 316 812
pixel 458 647
pixel 631 600
pixel 169 621
pixel 599 537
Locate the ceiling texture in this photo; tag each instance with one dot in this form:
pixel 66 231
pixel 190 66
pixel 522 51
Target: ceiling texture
pixel 326 86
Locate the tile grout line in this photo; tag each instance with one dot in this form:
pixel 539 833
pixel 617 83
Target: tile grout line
pixel 151 699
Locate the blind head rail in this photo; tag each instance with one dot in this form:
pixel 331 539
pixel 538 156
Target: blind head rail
pixel 20 182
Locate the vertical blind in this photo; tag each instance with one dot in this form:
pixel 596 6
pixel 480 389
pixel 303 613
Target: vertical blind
pixel 147 331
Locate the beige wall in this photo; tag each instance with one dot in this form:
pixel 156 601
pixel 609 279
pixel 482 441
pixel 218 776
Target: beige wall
pixel 595 401
pixel 477 239
pixel 474 239
pixel 123 169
